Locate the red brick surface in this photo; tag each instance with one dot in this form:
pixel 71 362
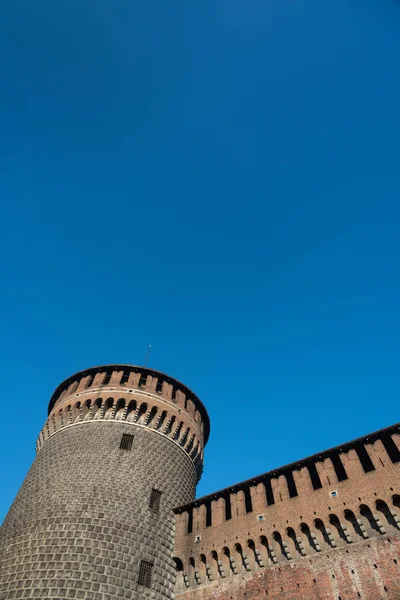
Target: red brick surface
pixel 368 569
pixel 338 542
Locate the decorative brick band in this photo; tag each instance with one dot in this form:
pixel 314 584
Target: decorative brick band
pixel 148 413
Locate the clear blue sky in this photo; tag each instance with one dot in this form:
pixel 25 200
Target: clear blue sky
pixel 217 178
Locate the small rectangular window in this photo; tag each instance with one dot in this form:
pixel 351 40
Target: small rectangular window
pixel 142 381
pixel 159 386
pixel 155 498
pixel 145 573
pixel 126 441
pixel 173 395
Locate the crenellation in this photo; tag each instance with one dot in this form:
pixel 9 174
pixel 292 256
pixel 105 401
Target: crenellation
pixel 352 465
pixel 303 481
pixel 83 383
pixel 327 473
pixel 180 398
pixel 116 376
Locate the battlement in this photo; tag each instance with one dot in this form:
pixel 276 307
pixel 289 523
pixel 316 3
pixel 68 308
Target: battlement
pixel 289 472
pixel 132 395
pixel 336 497
pixel 130 377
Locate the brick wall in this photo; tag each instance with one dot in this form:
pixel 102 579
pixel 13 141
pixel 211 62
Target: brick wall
pixel 314 512
pixel 367 569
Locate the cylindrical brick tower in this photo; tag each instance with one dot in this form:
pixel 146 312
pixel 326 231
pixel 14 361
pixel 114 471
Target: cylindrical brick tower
pixel 122 446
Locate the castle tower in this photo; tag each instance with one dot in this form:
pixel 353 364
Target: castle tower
pixel 121 447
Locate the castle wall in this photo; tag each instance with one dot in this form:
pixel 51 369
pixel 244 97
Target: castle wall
pixel 321 507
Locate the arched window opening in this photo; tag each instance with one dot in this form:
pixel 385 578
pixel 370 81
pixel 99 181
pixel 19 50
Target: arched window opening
pixel 195 451
pixel 130 413
pixel 327 538
pixel 226 562
pixel 151 416
pixel 178 431
pixel 252 555
pixel 239 561
pixel 267 551
pixel 184 438
pixel 280 549
pixel 295 546
pixel 192 572
pixel 85 410
pixel 141 413
pixel 120 408
pixel 312 542
pixel 189 447
pixel 203 576
pixel 215 569
pixel 97 408
pixel 383 508
pixel 108 408
pixel 334 520
pixel 396 500
pixel 366 512
pixel 76 412
pixel 351 518
pixel 68 415
pixel 170 425
pixel 160 423
pixel 178 564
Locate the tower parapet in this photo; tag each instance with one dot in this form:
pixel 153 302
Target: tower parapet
pixel 137 395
